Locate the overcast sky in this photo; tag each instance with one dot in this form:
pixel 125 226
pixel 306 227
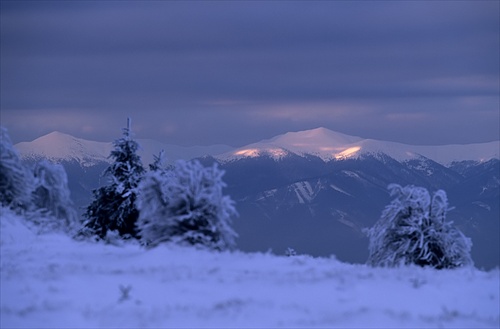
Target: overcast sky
pixel 207 72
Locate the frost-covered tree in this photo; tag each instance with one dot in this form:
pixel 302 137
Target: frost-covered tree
pixel 186 206
pixel 113 206
pixel 16 180
pixel 159 162
pixel 42 193
pixel 152 200
pixel 413 230
pixel 153 223
pixel 51 195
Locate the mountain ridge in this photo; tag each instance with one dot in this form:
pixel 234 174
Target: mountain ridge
pixel 320 142
pixel 58 147
pixel 329 145
pixel 287 197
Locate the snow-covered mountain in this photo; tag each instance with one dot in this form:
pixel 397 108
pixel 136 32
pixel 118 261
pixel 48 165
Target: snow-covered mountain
pixel 308 204
pixel 320 142
pixel 316 190
pixel 59 147
pixel 329 145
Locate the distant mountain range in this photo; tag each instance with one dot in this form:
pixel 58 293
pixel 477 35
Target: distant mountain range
pixel 60 147
pixel 329 145
pixel 315 190
pixel 321 142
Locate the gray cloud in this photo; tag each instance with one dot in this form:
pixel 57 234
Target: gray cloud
pixel 235 72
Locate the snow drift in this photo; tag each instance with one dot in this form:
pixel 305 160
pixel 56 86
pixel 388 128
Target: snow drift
pixel 50 280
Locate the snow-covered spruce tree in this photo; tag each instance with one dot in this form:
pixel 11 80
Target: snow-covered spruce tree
pixel 16 180
pixel 113 206
pixel 413 230
pixel 51 196
pixel 159 162
pixel 187 207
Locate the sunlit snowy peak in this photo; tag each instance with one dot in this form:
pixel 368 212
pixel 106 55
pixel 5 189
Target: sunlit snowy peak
pixel 329 145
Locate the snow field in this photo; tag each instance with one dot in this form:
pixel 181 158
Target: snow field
pixel 52 281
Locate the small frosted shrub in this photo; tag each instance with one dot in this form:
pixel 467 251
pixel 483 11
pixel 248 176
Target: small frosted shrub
pixel 413 230
pixel 187 206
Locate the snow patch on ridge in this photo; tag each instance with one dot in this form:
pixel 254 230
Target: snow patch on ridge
pixel 350 174
pixel 338 189
pixel 304 191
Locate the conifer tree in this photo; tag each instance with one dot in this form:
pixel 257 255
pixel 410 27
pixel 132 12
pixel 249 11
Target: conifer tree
pixel 413 230
pixel 113 206
pixel 159 162
pixel 16 181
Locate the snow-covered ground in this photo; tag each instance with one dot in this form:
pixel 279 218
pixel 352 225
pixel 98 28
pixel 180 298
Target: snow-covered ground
pixel 49 280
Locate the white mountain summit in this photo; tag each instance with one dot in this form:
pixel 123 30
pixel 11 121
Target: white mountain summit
pixel 58 146
pixel 320 142
pixel 329 145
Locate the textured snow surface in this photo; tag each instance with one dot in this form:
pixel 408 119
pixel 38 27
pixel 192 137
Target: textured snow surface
pixel 52 281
